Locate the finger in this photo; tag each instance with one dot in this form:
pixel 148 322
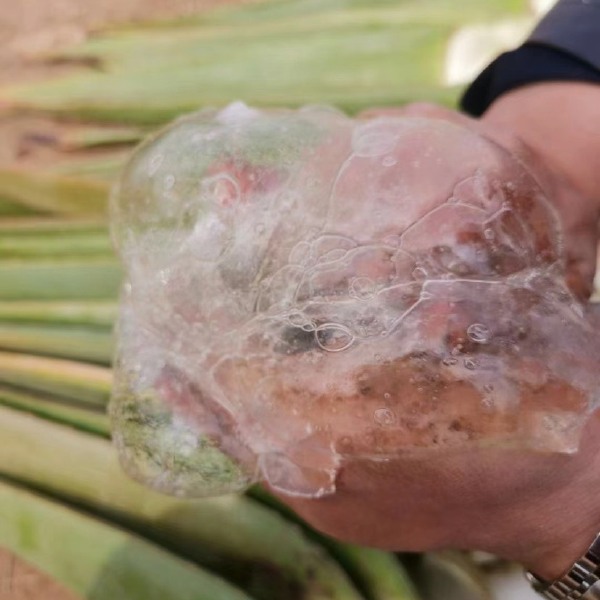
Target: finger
pixel 424 110
pixel 428 110
pixel 382 111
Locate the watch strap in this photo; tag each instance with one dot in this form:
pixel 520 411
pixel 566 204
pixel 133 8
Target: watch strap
pixel 582 582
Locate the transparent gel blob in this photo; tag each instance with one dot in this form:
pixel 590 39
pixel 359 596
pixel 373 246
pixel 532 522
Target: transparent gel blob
pixel 303 289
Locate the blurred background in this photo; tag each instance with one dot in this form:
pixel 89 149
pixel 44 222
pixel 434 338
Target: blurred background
pixel 80 85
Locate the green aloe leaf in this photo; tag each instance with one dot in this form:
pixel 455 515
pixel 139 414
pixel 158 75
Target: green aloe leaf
pixel 87 384
pixel 350 53
pixel 381 573
pixel 233 535
pixel 15 210
pixel 103 168
pixel 84 137
pixel 66 279
pixel 73 245
pixel 60 195
pixel 97 560
pixel 90 345
pixel 53 409
pixel 92 314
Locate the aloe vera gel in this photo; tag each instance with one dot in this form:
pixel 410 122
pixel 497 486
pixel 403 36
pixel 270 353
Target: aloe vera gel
pixel 303 288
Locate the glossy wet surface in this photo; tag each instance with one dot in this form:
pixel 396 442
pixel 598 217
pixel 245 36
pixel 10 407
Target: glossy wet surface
pixel 304 288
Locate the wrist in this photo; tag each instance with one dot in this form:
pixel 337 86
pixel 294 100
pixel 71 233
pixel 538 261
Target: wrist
pixel 555 559
pixel 562 526
pixel 560 122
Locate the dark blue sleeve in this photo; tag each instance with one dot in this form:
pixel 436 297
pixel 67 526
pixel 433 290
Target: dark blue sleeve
pixel 564 47
pixel 572 26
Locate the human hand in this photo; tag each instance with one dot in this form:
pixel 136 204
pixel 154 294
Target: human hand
pixel 536 508
pixel 389 294
pixel 561 153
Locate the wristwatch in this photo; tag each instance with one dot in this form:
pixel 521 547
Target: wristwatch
pixel 582 582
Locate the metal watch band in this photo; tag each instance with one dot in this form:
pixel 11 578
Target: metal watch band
pixel 582 582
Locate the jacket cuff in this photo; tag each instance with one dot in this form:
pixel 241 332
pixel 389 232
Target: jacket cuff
pixel 533 62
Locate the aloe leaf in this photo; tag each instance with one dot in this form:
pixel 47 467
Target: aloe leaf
pixel 87 384
pixel 89 136
pixel 79 245
pixel 104 167
pixel 295 11
pixel 55 410
pixel 233 535
pixel 91 345
pixel 350 53
pixel 48 238
pixel 13 210
pixel 380 573
pixel 93 314
pixel 60 195
pixel 51 238
pixel 44 225
pixel 97 560
pixel 152 78
pixel 66 279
